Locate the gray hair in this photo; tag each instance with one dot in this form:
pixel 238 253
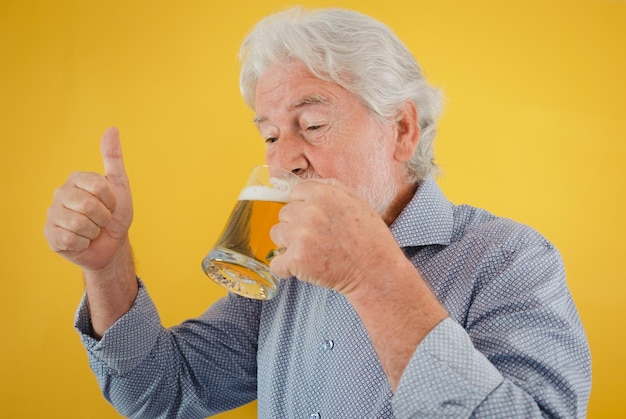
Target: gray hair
pixel 354 51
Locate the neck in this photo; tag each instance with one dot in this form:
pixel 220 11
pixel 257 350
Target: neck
pixel 402 199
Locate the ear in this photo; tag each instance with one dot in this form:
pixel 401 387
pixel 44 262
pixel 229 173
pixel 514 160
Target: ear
pixel 407 128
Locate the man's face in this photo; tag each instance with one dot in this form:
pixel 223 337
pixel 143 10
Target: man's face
pixel 318 129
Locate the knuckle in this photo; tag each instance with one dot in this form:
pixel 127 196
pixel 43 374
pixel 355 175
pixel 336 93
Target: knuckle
pixel 67 241
pixel 64 240
pixel 77 178
pixel 282 212
pixel 93 182
pixel 60 194
pixel 88 206
pixel 100 184
pixel 73 177
pixel 80 225
pixel 73 224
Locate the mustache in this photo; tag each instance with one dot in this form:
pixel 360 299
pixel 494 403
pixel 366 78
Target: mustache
pixel 308 174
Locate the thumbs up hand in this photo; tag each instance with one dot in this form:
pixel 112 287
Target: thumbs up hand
pixel 91 213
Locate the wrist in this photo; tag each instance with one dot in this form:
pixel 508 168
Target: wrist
pixel 111 290
pixel 398 309
pixel 121 266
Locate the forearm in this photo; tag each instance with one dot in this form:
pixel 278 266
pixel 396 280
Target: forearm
pixel 145 370
pixel 398 310
pixel 111 290
pixel 137 376
pixel 517 349
pixel 448 377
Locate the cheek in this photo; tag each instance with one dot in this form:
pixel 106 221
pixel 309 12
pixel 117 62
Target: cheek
pixel 348 153
pixel 271 153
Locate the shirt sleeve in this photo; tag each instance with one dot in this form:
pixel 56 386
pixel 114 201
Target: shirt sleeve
pixel 519 350
pixel 449 374
pixel 199 368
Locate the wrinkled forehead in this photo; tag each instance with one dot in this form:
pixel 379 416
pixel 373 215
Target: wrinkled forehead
pixel 292 85
pixel 284 60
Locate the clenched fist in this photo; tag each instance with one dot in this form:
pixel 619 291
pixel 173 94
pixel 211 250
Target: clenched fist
pixel 89 218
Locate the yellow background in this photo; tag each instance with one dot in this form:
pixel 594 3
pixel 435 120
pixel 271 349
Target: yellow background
pixel 534 129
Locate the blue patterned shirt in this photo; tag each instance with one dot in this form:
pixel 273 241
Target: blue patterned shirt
pixel 513 345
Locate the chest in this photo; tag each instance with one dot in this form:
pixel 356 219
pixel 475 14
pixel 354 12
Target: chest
pixel 315 357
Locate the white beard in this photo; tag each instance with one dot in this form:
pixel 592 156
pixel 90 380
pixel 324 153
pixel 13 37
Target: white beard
pixel 382 188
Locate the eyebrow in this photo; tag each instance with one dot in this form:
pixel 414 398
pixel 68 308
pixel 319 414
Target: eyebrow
pixel 314 99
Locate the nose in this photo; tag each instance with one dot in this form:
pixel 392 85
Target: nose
pixel 289 153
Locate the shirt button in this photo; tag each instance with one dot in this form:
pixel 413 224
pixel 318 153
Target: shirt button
pixel 328 344
pixel 315 416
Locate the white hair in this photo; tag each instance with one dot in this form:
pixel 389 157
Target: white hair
pixel 358 53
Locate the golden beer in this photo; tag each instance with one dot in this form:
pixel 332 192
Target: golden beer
pixel 239 260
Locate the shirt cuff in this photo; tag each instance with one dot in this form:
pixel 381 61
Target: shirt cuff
pixel 128 341
pixel 446 377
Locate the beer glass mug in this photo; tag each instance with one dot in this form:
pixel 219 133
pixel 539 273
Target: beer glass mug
pixel 239 261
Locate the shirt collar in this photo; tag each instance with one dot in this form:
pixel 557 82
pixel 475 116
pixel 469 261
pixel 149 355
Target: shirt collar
pixel 427 219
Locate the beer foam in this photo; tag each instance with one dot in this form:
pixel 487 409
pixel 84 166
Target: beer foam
pixel 264 193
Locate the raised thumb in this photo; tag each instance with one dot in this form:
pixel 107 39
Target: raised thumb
pixel 111 150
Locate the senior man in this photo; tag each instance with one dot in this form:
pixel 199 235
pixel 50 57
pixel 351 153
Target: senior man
pixel 393 303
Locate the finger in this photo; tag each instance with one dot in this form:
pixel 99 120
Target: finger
pixel 88 194
pixel 278 266
pixel 291 209
pixel 73 222
pixel 276 262
pixel 111 149
pixel 278 235
pixel 61 240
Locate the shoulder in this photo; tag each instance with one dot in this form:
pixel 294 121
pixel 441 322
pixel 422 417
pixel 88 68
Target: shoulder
pixel 480 227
